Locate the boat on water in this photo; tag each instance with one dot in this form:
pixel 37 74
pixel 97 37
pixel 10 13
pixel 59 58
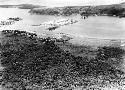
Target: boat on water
pixel 52 27
pixel 15 19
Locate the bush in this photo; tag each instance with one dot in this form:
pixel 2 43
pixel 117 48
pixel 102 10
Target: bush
pixel 32 61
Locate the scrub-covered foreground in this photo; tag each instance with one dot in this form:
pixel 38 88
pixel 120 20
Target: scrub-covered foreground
pixel 32 63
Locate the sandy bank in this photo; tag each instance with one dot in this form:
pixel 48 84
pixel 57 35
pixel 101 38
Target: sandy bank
pixel 97 42
pixel 81 40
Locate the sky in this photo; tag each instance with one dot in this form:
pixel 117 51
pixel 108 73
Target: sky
pixel 61 2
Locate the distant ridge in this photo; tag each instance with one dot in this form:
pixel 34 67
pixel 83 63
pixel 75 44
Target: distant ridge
pixel 22 6
pixel 121 5
pixel 117 10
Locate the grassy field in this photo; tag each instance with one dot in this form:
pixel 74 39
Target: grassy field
pixel 32 63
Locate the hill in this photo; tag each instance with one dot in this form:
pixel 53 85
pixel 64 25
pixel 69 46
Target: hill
pixel 21 6
pixel 109 10
pixel 29 6
pixel 32 63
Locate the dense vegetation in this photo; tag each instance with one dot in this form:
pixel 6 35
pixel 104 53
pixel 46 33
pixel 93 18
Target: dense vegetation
pixel 110 10
pixel 47 11
pixel 65 11
pixel 69 11
pixel 31 63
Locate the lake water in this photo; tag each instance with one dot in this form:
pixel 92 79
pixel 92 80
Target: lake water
pixel 95 27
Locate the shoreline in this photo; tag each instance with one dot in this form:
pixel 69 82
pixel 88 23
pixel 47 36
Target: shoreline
pixel 97 41
pixel 79 40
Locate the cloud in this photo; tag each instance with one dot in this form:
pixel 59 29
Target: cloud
pixel 76 2
pixel 104 2
pixel 3 0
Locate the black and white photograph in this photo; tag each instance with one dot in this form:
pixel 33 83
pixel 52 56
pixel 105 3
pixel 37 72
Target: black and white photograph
pixel 62 44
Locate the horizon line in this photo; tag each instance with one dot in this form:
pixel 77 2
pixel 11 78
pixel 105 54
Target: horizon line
pixel 59 5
